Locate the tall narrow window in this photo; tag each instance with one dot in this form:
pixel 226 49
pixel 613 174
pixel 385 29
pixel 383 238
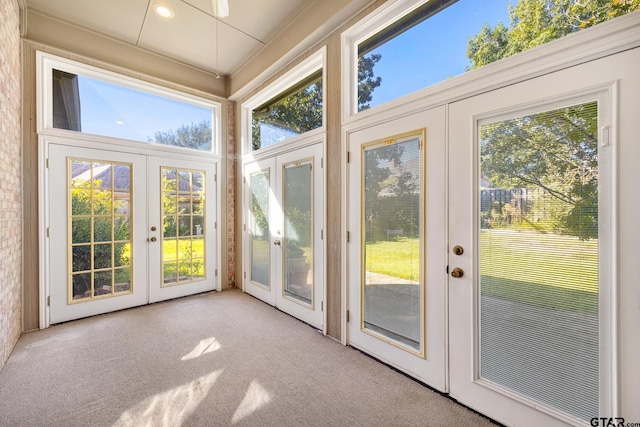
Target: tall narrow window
pixel 392 289
pixel 298 230
pixel 539 257
pixel 259 228
pixel 100 244
pixel 183 213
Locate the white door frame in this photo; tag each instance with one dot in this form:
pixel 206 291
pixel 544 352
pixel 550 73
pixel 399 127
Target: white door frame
pixel 61 137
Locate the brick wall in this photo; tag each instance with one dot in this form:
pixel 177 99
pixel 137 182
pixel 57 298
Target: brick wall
pixel 10 180
pixel 231 195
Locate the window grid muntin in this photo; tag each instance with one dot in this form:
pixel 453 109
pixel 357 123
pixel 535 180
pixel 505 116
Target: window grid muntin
pixel 91 190
pixel 185 241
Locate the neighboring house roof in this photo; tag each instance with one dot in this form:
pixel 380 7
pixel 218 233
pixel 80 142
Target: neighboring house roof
pixel 121 176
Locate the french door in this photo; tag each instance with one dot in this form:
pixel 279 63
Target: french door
pixel 284 255
pixel 481 247
pixel 397 288
pixel 530 248
pixel 127 229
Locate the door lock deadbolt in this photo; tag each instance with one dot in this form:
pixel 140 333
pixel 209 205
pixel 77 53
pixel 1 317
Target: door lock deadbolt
pixel 458 250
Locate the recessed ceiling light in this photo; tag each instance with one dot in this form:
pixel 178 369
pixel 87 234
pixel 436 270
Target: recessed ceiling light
pixel 163 11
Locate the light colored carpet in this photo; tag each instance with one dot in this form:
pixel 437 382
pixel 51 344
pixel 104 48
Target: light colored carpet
pixel 214 359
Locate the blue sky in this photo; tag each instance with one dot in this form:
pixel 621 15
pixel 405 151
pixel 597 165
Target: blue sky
pixel 107 109
pixel 435 49
pixel 428 53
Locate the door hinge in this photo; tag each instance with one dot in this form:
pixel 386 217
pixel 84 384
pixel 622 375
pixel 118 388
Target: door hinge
pixel 215 225
pixel 321 305
pixel 216 272
pixel 321 162
pixel 244 227
pixel 348 237
pixel 347 315
pixel 447 269
pixel 321 234
pixel 245 274
pixel 46 161
pixel 48 232
pixel 348 156
pixel 49 301
pixel 244 179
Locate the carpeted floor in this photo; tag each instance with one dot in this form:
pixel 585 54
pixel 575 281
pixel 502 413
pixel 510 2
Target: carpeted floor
pixel 214 359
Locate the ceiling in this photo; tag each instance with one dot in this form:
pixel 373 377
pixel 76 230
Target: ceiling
pixel 190 36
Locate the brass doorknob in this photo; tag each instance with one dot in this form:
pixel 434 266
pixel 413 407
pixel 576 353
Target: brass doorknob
pixel 276 242
pixel 458 250
pixel 153 239
pixel 457 273
pixel 154 228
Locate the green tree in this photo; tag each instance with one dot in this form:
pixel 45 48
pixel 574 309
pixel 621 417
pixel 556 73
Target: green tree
pixel 535 22
pixel 302 111
pixel 367 80
pixel 194 135
pixel 554 152
pixel 83 198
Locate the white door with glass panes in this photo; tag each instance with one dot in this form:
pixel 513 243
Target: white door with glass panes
pixel 126 229
pixel 396 249
pixel 284 251
pixel 531 232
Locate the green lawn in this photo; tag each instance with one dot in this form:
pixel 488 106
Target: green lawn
pixel 548 270
pixel 398 258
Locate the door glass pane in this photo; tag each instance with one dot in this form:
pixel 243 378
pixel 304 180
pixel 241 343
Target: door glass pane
pixel 297 244
pixel 183 245
pixel 100 243
pixel 539 257
pixel 259 227
pixel 392 289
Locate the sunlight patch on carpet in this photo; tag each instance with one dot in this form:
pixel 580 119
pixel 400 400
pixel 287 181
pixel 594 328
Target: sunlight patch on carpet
pixel 171 408
pixel 255 398
pixel 205 346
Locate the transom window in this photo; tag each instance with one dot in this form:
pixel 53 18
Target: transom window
pixel 289 107
pixel 293 112
pixel 85 99
pixel 405 46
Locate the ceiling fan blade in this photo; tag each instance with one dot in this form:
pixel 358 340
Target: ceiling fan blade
pixel 220 8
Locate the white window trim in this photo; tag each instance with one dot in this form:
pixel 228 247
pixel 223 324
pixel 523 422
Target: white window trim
pixel 309 66
pixel 45 63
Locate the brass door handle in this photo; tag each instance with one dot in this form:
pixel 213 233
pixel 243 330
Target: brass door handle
pixel 458 250
pixel 276 242
pixel 457 273
pixel 153 239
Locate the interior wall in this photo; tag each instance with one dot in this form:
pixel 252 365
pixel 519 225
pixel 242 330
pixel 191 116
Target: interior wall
pixel 10 180
pixel 333 108
pixel 31 268
pixel 47 30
